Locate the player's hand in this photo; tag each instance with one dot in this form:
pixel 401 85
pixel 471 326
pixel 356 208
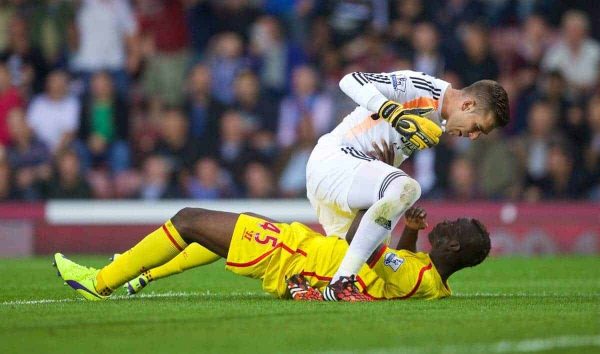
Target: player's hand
pixel 419 133
pixel 384 154
pixel 415 218
pixel 392 111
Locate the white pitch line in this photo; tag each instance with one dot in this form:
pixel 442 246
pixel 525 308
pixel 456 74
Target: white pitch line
pixel 127 297
pixel 209 294
pixel 531 345
pixel 526 295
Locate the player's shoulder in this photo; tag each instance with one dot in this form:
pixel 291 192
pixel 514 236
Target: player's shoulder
pixel 397 258
pixel 419 259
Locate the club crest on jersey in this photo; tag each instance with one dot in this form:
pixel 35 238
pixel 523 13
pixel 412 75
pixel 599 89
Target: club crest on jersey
pixel 393 261
pixel 399 83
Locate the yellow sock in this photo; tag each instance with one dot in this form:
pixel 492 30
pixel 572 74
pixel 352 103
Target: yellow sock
pixel 192 256
pixel 155 249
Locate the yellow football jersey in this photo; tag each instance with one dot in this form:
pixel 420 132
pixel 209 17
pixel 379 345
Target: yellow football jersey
pixel 275 251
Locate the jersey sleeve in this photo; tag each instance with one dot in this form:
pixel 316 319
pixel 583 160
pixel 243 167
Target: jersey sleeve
pixel 410 88
pixel 369 90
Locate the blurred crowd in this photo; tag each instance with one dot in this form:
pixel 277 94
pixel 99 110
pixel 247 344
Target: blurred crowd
pixel 210 99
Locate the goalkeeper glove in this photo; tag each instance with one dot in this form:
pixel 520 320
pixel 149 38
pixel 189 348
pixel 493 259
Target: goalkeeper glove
pixel 418 132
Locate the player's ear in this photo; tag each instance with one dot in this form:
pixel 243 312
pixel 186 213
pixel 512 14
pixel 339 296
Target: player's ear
pixel 468 104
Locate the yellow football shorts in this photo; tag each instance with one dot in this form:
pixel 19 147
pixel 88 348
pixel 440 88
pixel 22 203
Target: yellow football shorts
pixel 260 249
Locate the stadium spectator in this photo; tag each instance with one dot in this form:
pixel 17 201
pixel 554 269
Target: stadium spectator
pixel 258 181
pixel 6 189
pixel 226 59
pixel 52 30
pixel 108 40
pixel 533 146
pixel 534 40
pixel 297 16
pixel 476 61
pixel 253 104
pixel 202 107
pixel 7 11
pixel 233 147
pixel 463 180
pixel 275 55
pixel 592 150
pixel 371 53
pixel 549 87
pixel 26 63
pixel 576 55
pixel 305 102
pixel 292 182
pixel 156 181
pixel 104 126
pixel 577 133
pixel 165 42
pixel 10 98
pixel 199 18
pixel 404 15
pixel 54 115
pixel 234 16
pixel 560 182
pixel 209 181
pixel 352 18
pixel 173 143
pixel 427 57
pixel 495 167
pixel 319 40
pixel 28 156
pixel 68 182
pixel 452 15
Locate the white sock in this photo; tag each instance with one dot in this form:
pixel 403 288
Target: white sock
pixel 371 232
pixel 378 221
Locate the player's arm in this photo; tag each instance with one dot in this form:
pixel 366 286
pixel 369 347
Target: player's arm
pixel 363 89
pixel 414 221
pixel 376 93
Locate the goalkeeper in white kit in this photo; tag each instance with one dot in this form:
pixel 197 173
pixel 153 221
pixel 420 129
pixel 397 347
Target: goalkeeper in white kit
pixel 408 111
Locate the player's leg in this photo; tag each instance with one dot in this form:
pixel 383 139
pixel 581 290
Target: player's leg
pixel 211 229
pixel 386 193
pixel 194 255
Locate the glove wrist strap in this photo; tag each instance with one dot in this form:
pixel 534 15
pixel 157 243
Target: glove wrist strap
pixel 386 109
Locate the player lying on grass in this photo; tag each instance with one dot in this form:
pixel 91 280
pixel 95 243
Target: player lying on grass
pixel 294 261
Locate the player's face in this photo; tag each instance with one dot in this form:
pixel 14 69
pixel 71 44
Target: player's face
pixel 470 122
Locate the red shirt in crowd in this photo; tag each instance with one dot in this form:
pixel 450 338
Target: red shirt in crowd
pixel 9 99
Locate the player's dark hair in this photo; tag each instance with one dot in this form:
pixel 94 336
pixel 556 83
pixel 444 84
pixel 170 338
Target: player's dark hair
pixel 491 97
pixel 473 237
pixel 477 236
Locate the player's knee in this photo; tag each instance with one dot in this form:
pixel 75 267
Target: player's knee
pixel 412 191
pixel 406 189
pixel 185 218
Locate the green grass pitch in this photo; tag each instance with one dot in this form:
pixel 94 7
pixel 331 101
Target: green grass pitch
pixel 506 305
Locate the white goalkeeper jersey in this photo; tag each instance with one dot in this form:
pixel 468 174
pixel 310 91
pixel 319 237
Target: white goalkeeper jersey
pixel 369 90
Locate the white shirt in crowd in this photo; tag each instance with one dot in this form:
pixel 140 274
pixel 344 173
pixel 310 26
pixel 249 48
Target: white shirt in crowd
pixel 51 119
pixel 579 68
pixel 103 26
